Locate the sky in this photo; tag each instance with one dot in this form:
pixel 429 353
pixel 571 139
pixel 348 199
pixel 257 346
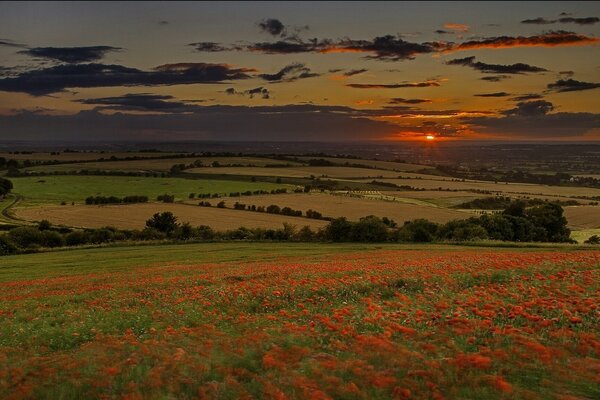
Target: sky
pixel 300 71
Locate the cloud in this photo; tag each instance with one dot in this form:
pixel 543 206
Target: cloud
pixel 212 47
pixel 71 54
pixel 289 73
pixel 565 20
pixel 495 94
pixel 400 100
pixel 58 78
pixel 294 122
pixel 534 119
pixel 443 32
pixel 495 78
pixel 272 26
pixel 353 72
pixel 457 27
pixel 528 96
pixel 140 102
pixel 550 39
pixel 259 91
pixel 518 68
pixel 530 108
pixel 428 83
pixel 571 85
pixel 388 48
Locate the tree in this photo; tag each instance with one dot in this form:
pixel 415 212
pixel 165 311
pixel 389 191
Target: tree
pixel 5 186
pixel 369 229
pixel 164 222
pixel 550 217
pixel 594 239
pixel 338 230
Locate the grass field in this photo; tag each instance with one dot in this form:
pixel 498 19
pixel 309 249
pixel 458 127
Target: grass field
pixel 55 189
pixel 134 216
pixel 300 321
pixel 390 165
pixel 92 155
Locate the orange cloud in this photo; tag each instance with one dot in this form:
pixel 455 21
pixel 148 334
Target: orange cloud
pixel 550 39
pixel 457 27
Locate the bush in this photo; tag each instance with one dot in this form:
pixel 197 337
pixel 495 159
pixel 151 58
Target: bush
pixel 76 238
pixel 7 246
pixel 418 230
pixel 164 222
pixel 594 239
pixel 44 225
pixel 369 229
pixel 338 230
pixel 26 237
pixel 166 198
pixel 53 239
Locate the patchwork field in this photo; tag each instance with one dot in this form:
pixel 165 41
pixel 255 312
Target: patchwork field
pixel 264 321
pixel 134 216
pixel 92 155
pixel 55 189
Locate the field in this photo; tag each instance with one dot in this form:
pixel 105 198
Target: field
pixel 80 156
pixel 299 172
pixel 503 188
pixel 353 208
pixel 583 217
pixel 300 321
pixel 134 216
pixel 55 189
pixel 156 165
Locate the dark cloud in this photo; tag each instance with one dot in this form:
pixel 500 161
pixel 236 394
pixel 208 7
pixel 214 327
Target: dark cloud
pixel 353 72
pixel 289 73
pixel 567 73
pixel 528 96
pixel 140 102
pixel 400 100
pixel 538 21
pixel 533 119
pixel 393 85
pixel 530 108
pixel 549 39
pixel 163 22
pixel 71 54
pixel 494 78
pixel 10 43
pixel 495 94
pixel 518 68
pixel 443 32
pixel 56 79
pixel 261 92
pixel 571 85
pixel 293 122
pixel 565 20
pixel 272 26
pixel 387 48
pixel 289 46
pixel 212 47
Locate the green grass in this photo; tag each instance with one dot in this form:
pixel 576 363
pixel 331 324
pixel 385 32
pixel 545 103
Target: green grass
pixel 583 235
pixel 55 189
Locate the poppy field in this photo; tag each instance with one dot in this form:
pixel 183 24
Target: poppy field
pixel 380 323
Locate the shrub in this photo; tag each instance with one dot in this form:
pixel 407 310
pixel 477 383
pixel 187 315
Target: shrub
pixel 76 238
pixel 594 239
pixel 369 229
pixel 164 222
pixel 7 246
pixel 26 237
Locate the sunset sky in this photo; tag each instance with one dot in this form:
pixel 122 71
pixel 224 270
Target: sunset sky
pixel 316 71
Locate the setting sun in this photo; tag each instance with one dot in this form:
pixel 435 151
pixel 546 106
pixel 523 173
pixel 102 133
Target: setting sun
pixel 430 137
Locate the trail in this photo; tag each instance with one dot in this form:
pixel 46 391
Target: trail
pixel 6 214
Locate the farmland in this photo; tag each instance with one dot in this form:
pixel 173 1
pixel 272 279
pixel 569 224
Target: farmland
pixel 134 216
pixel 300 321
pixel 55 189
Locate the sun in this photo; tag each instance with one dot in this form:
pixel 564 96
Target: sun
pixel 430 137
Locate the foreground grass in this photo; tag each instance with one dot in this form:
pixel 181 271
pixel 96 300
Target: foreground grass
pixel 300 321
pixel 55 189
